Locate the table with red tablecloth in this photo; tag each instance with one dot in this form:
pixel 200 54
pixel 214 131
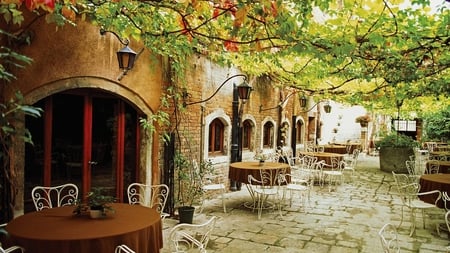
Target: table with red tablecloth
pixel 59 230
pixel 430 182
pixel 324 156
pixel 239 171
pixel 338 149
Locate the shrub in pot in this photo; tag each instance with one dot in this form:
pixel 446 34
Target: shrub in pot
pixel 395 149
pixel 189 177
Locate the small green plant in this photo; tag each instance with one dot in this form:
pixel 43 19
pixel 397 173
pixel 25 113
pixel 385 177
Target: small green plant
pixel 396 140
pixel 96 200
pixel 190 176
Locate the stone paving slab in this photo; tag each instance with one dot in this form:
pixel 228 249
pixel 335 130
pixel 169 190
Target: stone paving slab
pixel 346 220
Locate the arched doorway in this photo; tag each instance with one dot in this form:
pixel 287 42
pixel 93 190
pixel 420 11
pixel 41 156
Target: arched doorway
pixel 86 136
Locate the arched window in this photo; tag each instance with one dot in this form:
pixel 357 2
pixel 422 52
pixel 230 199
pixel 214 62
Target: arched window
pixel 299 132
pixel 246 134
pixel 268 135
pixel 216 133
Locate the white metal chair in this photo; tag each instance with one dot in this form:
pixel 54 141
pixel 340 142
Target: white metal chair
pixel 446 199
pixel 265 188
pixel 213 183
pixel 349 167
pixel 184 237
pixel 123 249
pixel 335 175
pixel 54 196
pixel 433 168
pixel 300 183
pixel 389 238
pixel 154 196
pixel 12 248
pixel 409 191
pixel 210 182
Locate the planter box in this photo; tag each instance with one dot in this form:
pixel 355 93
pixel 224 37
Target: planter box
pixel 393 159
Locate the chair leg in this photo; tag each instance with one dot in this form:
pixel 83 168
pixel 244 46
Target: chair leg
pixel 401 220
pixel 413 222
pixel 223 202
pixel 202 205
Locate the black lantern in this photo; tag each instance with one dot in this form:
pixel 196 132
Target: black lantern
pixel 303 100
pixel 244 90
pixel 126 57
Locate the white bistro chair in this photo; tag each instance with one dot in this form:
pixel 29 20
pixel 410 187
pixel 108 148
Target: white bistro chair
pixel 211 182
pixel 408 189
pixel 389 238
pixel 154 196
pixel 185 237
pixel 300 183
pixel 11 249
pixel 266 191
pixel 123 249
pixel 54 196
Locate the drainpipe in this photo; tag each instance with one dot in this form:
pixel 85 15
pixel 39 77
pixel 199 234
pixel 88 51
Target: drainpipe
pixel 202 129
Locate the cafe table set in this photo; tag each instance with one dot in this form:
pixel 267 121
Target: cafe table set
pixel 61 230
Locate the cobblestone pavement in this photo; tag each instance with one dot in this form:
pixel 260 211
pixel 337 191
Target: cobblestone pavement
pixel 346 220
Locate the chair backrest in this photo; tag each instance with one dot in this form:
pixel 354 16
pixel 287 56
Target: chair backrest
pixel 185 236
pixel 154 196
pixel 309 161
pixel 271 178
pixel 334 163
pixel 407 186
pixel 389 238
pixel 433 168
pixel 123 248
pixel 446 200
pixel 54 196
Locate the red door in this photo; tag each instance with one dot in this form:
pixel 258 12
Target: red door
pixel 85 137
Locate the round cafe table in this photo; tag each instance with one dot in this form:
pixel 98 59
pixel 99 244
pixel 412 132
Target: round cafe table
pixel 338 149
pixel 430 182
pixel 59 230
pixel 324 156
pixel 239 171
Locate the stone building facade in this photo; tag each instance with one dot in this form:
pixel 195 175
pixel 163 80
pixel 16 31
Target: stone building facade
pixel 74 79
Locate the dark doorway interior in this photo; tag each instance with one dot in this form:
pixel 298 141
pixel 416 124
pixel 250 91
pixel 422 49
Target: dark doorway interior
pixel 85 137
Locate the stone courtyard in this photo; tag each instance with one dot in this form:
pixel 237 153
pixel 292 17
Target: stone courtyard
pixel 344 220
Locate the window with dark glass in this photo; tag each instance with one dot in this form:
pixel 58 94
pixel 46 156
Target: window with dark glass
pixel 216 132
pixel 299 137
pixel 268 135
pixel 246 134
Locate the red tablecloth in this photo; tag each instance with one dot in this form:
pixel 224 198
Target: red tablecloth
pixel 324 156
pixel 239 171
pixel 430 182
pixel 338 149
pixel 58 230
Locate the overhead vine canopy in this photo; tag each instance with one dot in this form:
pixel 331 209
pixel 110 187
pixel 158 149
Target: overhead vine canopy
pixel 381 54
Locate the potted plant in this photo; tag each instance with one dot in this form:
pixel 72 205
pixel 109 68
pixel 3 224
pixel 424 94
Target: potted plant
pixel 363 120
pixel 261 157
pixel 98 204
pixel 394 150
pixel 189 175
